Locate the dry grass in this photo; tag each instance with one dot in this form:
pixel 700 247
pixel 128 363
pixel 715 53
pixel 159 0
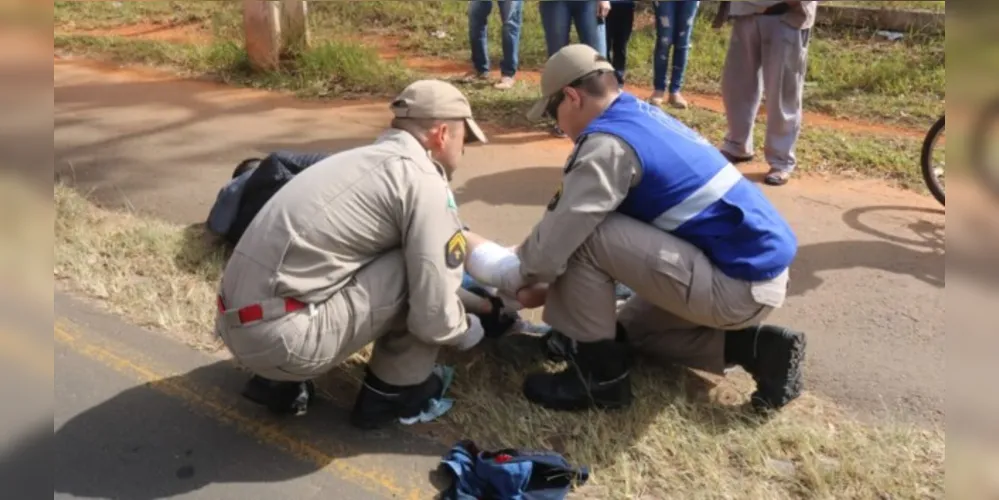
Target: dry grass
pixel 685 438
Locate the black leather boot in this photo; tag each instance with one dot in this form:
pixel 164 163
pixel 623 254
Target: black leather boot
pixel 598 376
pixel 557 345
pixel 380 403
pixel 285 398
pixel 774 356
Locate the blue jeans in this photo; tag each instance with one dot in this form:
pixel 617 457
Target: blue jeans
pixel 557 16
pixel 512 12
pixel 674 23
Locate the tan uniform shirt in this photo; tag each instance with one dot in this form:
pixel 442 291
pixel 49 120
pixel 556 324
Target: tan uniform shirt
pixel 801 17
pixel 599 174
pixel 343 213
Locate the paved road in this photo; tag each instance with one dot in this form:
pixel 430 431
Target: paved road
pixel 867 286
pixel 142 416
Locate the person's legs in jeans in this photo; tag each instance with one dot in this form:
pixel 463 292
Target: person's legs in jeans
pixel 512 12
pixel 478 40
pixel 555 19
pixel 584 17
pixel 684 13
pixel 664 40
pixel 555 22
pixel 619 27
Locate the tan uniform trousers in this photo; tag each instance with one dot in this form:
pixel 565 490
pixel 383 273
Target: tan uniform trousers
pixel 682 303
pixel 305 344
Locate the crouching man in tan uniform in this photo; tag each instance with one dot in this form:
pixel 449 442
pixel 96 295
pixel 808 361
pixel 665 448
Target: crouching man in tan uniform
pixel 365 246
pixel 647 202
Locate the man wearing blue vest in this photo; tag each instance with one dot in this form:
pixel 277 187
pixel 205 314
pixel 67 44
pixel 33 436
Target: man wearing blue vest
pixel 648 202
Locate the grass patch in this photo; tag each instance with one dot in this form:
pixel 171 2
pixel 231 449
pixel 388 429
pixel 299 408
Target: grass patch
pixel 683 438
pixel 345 69
pixel 852 73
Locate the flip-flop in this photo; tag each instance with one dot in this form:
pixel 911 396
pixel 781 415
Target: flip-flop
pixel 777 178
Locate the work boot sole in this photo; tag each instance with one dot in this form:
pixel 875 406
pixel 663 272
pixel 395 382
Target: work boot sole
pixel 783 381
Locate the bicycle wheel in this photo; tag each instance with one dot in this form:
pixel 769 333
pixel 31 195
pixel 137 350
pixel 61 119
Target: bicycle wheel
pixel 933 174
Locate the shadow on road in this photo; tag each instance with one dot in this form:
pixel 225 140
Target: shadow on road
pixel 182 433
pixel 522 186
pixel 913 248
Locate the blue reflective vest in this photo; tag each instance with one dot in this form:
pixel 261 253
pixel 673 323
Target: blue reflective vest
pixel 690 190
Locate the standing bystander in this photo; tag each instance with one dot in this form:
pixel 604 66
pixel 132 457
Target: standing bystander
pixel 674 24
pixel 619 25
pixel 767 53
pixel 511 11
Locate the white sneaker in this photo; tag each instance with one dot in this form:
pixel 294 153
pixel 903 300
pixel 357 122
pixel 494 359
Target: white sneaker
pixel 505 83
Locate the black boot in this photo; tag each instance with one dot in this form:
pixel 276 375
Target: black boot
pixel 557 346
pixel 285 398
pixel 598 376
pixel 774 356
pixel 380 403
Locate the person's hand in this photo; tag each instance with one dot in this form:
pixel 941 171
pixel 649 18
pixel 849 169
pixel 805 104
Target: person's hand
pixel 533 296
pixel 603 8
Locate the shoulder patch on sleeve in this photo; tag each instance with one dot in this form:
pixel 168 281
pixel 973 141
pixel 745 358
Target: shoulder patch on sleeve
pixel 455 249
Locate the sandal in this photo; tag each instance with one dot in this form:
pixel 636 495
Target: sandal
pixel 777 177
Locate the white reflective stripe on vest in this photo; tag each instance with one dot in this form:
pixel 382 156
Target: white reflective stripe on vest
pixel 699 200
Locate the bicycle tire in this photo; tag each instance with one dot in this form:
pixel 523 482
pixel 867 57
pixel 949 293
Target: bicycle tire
pixel 979 138
pixel 926 161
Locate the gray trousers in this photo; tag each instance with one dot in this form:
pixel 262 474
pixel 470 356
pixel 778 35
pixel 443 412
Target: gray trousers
pixel 682 304
pixel 765 55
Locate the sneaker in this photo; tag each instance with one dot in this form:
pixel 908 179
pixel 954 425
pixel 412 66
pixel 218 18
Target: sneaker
pixel 474 76
pixel 557 132
pixel 677 101
pixel 657 98
pixel 505 83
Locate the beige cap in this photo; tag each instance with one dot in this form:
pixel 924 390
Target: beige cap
pixel 437 100
pixel 567 65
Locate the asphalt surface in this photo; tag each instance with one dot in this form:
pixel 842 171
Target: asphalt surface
pixel 867 286
pixel 141 416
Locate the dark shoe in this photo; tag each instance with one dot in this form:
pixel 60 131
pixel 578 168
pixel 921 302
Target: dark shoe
pixel 735 160
pixel 285 398
pixel 774 356
pixel 557 345
pixel 380 403
pixel 777 178
pixel 557 132
pixel 598 376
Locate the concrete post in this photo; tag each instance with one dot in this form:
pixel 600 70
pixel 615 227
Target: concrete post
pixel 294 26
pixel 262 32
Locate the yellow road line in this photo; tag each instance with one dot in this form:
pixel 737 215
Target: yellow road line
pixel 376 481
pixel 17 348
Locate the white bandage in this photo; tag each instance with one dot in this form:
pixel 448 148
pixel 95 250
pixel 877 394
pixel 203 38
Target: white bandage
pixel 493 265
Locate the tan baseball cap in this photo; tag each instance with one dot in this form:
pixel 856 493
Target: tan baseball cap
pixel 437 100
pixel 567 65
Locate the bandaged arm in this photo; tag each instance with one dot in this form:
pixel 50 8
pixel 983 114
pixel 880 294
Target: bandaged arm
pixel 493 265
